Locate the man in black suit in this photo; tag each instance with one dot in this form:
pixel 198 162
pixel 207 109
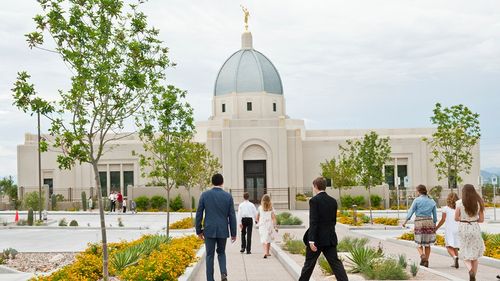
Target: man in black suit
pixel 321 236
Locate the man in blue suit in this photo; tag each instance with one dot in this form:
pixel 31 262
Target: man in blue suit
pixel 218 207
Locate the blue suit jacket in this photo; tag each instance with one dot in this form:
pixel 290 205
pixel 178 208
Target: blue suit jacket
pixel 218 207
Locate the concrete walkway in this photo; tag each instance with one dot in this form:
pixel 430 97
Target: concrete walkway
pixel 243 267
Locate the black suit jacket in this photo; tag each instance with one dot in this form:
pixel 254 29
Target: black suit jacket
pixel 322 220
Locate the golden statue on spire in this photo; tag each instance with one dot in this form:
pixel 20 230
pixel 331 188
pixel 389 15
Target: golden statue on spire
pixel 247 14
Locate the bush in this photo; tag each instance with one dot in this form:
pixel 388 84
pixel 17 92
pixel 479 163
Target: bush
pixel 142 203
pixel 182 224
pixel 30 217
pixel 129 256
pixel 346 201
pixel 414 269
pixel 286 218
pixel 386 269
pixel 53 202
pixel 31 200
pixel 158 202
pixel 296 247
pixel 176 204
pixel 73 223
pixel 63 222
pixel 376 201
pixel 300 197
pixel 348 243
pixel 402 261
pixel 386 221
pixel 359 201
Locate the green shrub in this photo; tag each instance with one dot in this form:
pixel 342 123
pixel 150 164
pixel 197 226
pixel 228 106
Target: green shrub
pixel 295 247
pixel 30 217
pixel 31 200
pixel 84 201
pixel 158 202
pixel 130 256
pixel 402 261
pixel 362 258
pixel 300 197
pixel 21 222
pixel 120 222
pixel 73 223
pixel 142 203
pixel 386 269
pixel 53 202
pixel 286 218
pixel 359 200
pixel 376 200
pixel 346 201
pixel 176 204
pixel 63 222
pixel 325 266
pixel 414 269
pixel 346 244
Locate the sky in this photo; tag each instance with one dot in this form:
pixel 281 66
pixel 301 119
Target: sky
pixel 344 64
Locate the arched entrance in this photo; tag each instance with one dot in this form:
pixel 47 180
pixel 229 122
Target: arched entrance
pixel 254 172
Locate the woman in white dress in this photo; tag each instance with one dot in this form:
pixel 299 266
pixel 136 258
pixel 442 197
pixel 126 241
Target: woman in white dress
pixel 470 212
pixel 266 220
pixel 451 227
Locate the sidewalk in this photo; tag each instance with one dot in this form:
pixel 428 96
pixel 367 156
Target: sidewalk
pixel 243 267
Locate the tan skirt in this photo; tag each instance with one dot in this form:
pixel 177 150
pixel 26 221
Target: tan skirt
pixel 425 231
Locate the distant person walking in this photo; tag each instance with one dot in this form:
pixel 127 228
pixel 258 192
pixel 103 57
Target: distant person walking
pixel 124 205
pixel 218 224
pixel 451 227
pixel 112 200
pixel 266 220
pixel 133 206
pixel 321 236
pixel 119 199
pixel 90 203
pixel 246 217
pixel 470 212
pixel 425 212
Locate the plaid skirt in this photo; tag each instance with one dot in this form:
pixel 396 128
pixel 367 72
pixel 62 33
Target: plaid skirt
pixel 425 231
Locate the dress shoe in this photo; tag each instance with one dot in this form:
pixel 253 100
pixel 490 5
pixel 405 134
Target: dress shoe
pixel 248 253
pixel 223 277
pixel 242 250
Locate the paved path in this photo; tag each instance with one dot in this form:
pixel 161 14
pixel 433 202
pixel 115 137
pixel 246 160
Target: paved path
pixel 243 267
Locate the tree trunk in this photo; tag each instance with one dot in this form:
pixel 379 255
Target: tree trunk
pixel 103 223
pixel 370 204
pixel 168 211
pixel 340 199
pixel 190 203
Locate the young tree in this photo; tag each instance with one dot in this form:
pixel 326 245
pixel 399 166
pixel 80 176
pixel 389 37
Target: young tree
pixel 341 172
pixel 166 129
pixel 116 63
pixel 369 156
pixel 9 188
pixel 457 133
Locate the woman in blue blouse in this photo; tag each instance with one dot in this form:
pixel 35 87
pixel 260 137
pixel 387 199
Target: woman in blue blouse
pixel 425 212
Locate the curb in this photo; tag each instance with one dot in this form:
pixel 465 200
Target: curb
pixel 191 271
pixel 380 227
pixel 442 251
pixel 290 265
pixel 73 227
pixel 291 226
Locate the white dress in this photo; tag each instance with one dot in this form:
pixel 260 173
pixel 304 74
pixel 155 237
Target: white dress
pixel 471 241
pixel 451 228
pixel 266 226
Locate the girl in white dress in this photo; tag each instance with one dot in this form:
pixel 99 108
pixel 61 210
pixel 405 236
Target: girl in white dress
pixel 470 212
pixel 266 220
pixel 451 227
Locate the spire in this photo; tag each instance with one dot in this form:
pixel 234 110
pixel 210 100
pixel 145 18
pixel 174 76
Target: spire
pixel 246 40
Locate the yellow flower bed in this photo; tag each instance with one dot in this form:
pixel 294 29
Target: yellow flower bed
pixel 182 224
pixel 180 253
pixel 349 221
pixel 167 263
pixel 386 221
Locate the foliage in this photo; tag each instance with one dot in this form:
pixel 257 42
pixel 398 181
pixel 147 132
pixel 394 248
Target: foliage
pixel 349 221
pixel 295 247
pixel 63 222
pixel 9 253
pixel 376 200
pixel 347 243
pixel 30 217
pixel 348 201
pixel 131 255
pixel 22 222
pixel 185 223
pixel 9 188
pixel 362 258
pixel 492 243
pixel 487 192
pixel 386 269
pixel 142 203
pixel 300 197
pixel 341 171
pixel 73 223
pixel 116 62
pixel 177 203
pixel 53 202
pixel 286 218
pixel 120 222
pixel 402 261
pixel 369 156
pixel 158 202
pixel 325 266
pixel 414 269
pixel 32 200
pixel 84 201
pixel 457 133
pixel 386 221
pixel 435 192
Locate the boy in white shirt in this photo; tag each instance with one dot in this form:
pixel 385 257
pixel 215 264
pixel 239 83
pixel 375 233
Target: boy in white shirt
pixel 246 217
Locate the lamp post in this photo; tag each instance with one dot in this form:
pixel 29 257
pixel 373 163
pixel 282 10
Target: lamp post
pixel 39 171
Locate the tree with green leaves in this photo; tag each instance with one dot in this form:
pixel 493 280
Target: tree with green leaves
pixel 9 188
pixel 456 135
pixel 369 156
pixel 341 171
pixel 116 62
pixel 166 130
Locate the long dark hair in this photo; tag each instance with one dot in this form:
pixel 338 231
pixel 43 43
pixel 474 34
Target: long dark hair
pixel 471 200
